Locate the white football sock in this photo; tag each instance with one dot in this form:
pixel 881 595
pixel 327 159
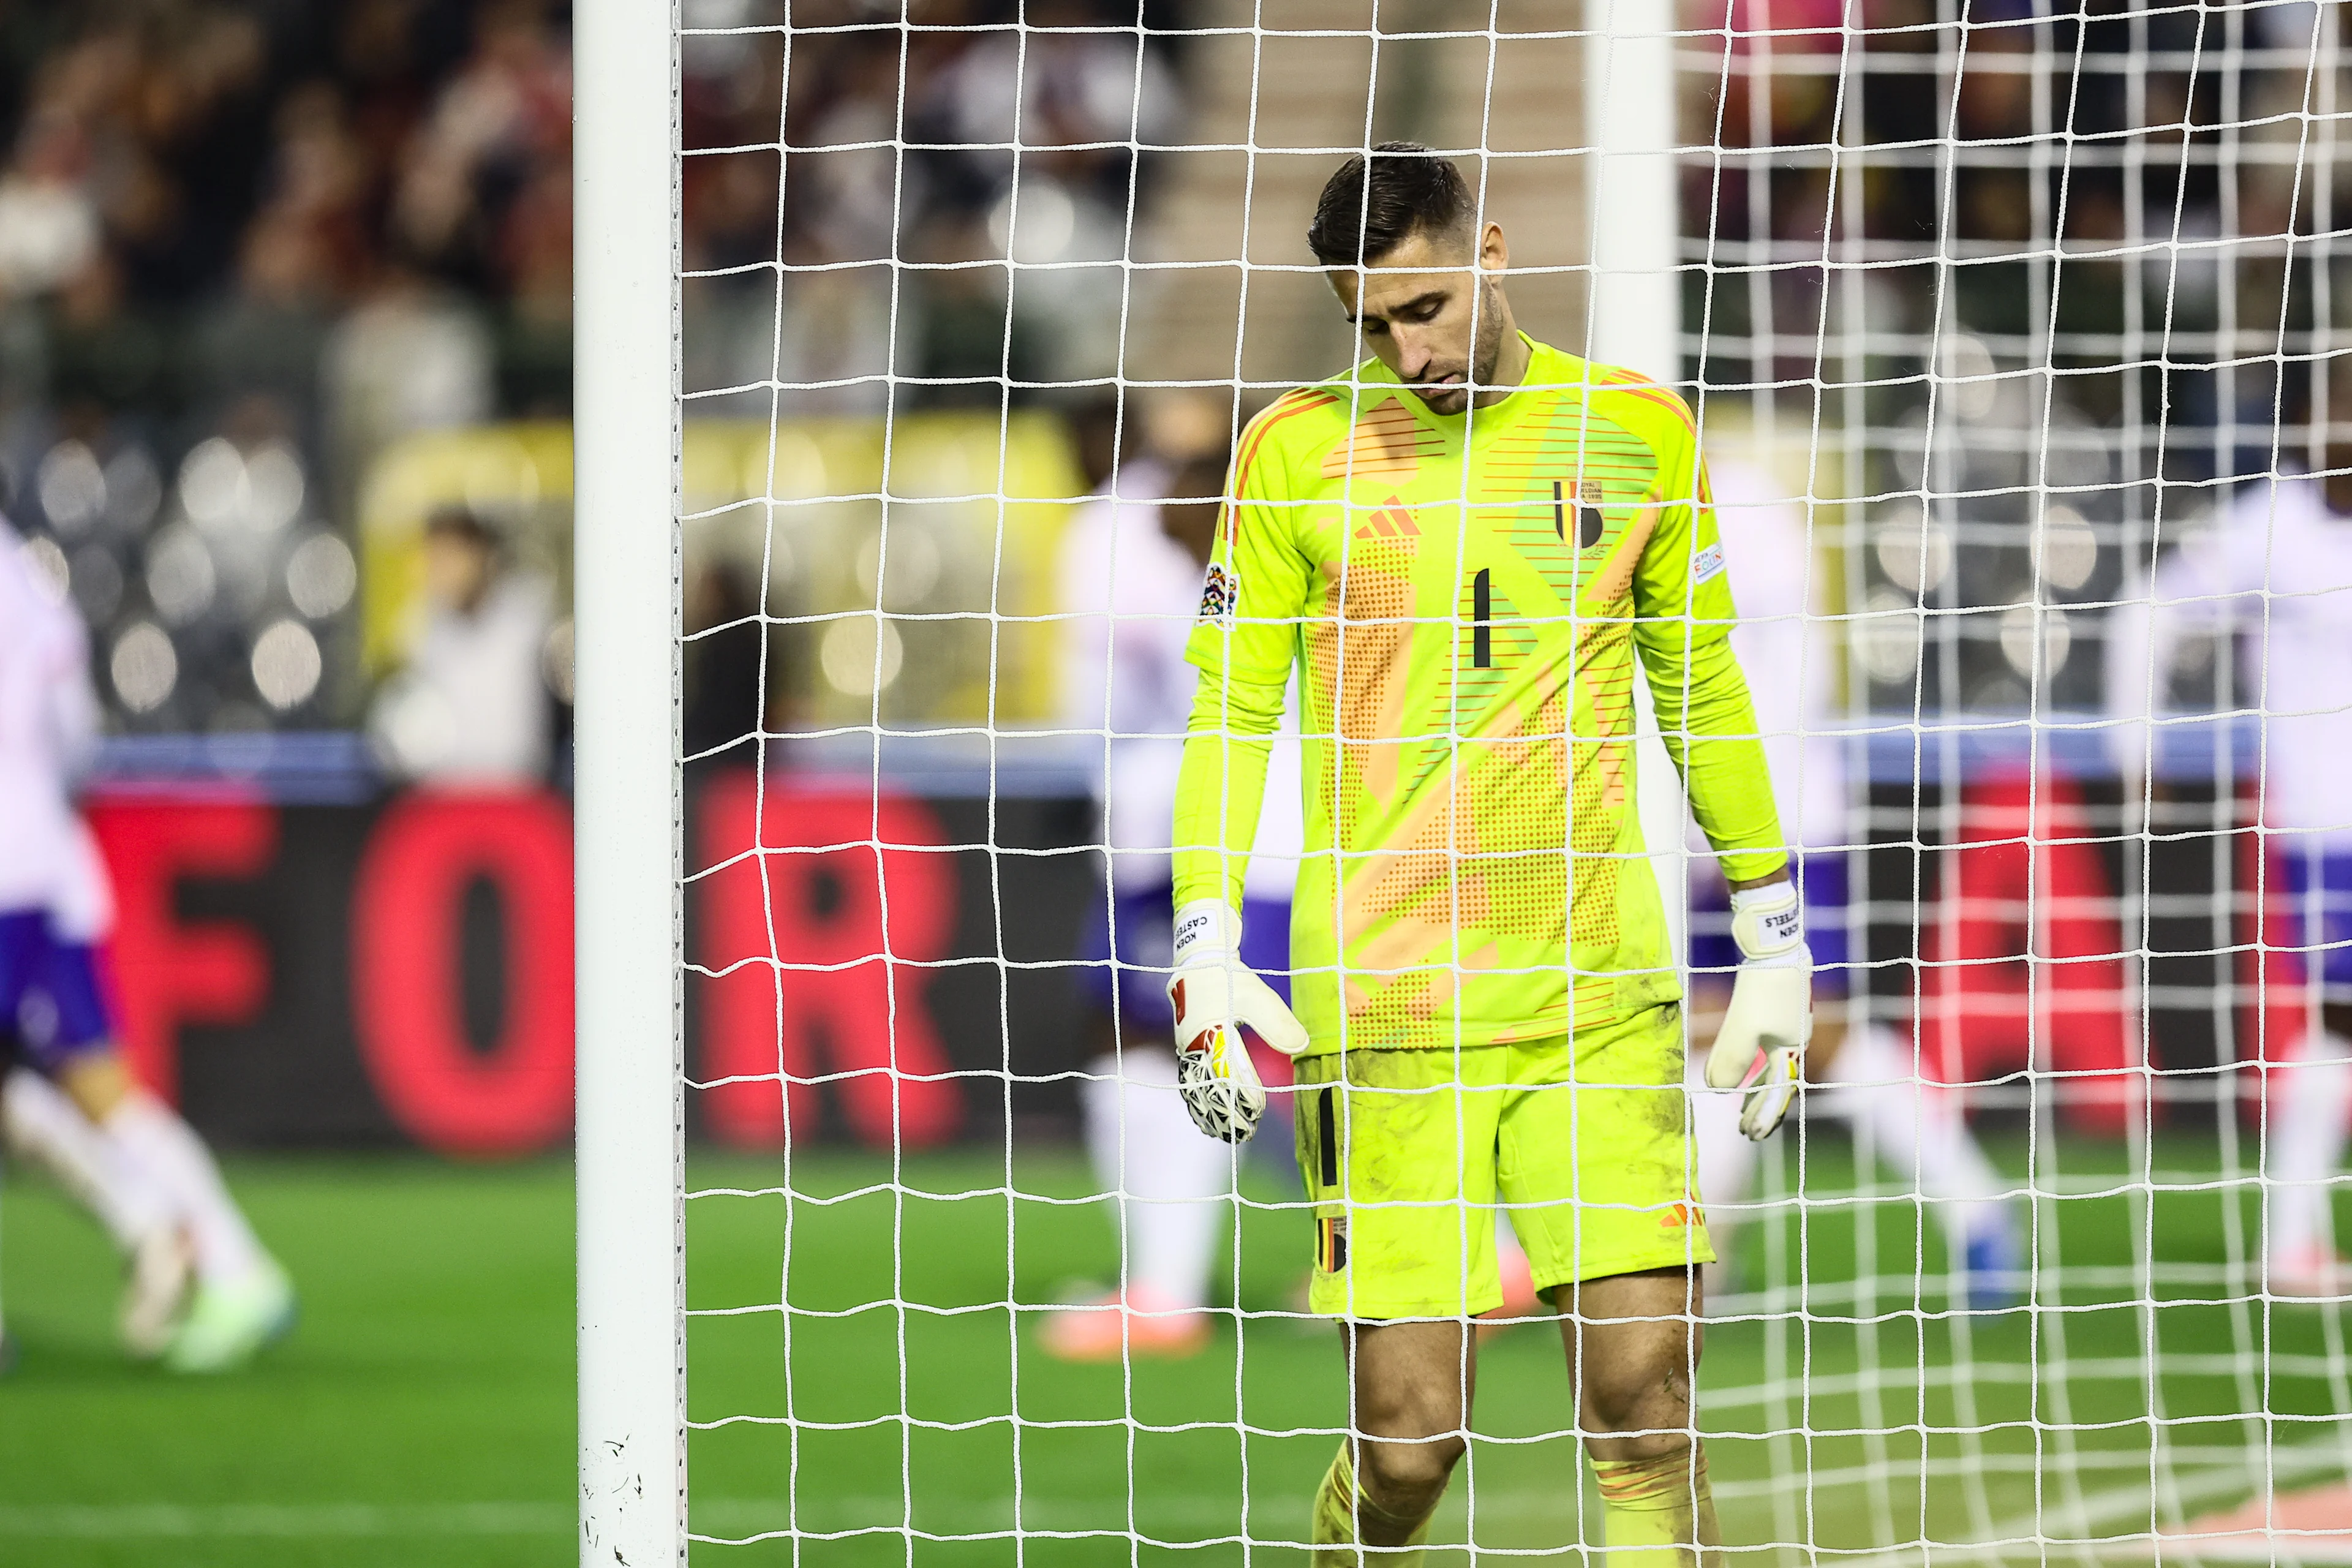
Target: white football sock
pixel 2308 1109
pixel 47 1130
pixel 1915 1130
pixel 1172 1180
pixel 168 1153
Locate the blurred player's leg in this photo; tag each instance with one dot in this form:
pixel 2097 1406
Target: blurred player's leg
pixel 1521 1299
pixel 243 1300
pixel 1173 1182
pixel 7 1345
pixel 1915 1130
pixel 2307 1138
pixel 1170 1180
pixel 45 1128
pixel 2312 1092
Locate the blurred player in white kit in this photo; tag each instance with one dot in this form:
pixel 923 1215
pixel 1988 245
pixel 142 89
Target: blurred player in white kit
pixel 1131 580
pixel 1862 1070
pixel 2273 574
pixel 203 1294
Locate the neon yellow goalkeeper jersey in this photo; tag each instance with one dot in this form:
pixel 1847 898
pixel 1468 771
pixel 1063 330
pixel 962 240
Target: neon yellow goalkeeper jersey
pixel 1463 598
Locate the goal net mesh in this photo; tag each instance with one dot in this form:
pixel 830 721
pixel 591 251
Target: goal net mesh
pixel 2008 329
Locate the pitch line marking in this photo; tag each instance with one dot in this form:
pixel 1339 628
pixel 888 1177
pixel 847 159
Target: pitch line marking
pixel 2031 1533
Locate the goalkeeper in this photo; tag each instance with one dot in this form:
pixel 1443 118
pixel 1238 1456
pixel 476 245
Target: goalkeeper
pixel 1466 544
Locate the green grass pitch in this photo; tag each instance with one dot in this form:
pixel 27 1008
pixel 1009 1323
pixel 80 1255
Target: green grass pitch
pixel 423 1411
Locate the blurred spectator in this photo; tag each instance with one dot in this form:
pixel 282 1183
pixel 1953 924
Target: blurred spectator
pixel 264 338
pixel 1008 165
pixel 1077 99
pixel 2028 338
pixel 471 706
pixel 506 115
pixel 307 229
pixel 727 664
pixel 322 228
pixel 49 229
pixel 415 356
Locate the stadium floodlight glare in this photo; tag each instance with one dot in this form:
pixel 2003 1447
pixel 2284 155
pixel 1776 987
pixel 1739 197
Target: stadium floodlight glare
pixel 2010 332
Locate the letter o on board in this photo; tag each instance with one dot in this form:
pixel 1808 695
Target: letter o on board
pixel 408 910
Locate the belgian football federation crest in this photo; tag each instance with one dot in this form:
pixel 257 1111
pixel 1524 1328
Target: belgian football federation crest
pixel 1586 508
pixel 1219 591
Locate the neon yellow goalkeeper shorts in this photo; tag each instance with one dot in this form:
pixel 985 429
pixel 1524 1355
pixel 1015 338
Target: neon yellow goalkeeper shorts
pixel 1407 1156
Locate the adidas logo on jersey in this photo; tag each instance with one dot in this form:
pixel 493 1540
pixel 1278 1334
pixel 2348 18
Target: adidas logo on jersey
pixel 1392 521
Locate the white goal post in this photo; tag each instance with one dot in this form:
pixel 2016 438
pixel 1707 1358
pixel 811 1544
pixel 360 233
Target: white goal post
pixel 631 1252
pixel 1634 308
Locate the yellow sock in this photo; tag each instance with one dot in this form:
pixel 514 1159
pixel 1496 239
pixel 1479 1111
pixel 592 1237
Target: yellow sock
pixel 1659 1513
pixel 1337 1503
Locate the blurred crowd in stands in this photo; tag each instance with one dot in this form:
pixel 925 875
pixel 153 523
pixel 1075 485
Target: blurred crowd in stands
pixel 903 150
pixel 243 248
pixel 2126 195
pixel 248 245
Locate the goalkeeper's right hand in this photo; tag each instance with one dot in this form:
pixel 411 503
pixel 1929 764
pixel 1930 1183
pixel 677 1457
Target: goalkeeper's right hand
pixel 1215 996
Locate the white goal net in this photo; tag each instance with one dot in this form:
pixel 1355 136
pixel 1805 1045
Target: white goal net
pixel 2010 332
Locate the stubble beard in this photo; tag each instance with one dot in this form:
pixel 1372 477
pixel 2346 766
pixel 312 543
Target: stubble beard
pixel 1486 355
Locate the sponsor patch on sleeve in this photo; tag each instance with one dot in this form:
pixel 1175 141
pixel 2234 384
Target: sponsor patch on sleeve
pixel 1219 590
pixel 1707 563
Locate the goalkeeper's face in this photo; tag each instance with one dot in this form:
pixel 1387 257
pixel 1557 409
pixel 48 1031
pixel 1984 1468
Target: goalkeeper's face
pixel 1431 311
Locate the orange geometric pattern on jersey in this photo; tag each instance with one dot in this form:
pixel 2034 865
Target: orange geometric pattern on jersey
pixel 1387 443
pixel 1356 653
pixel 1459 596
pixel 1516 840
pixel 1406 892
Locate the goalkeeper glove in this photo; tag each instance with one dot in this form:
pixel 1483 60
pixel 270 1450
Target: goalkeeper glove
pixel 1761 1045
pixel 1214 996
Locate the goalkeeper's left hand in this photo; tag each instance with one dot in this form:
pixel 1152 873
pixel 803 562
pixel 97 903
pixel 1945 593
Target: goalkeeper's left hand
pixel 1761 1045
pixel 1214 994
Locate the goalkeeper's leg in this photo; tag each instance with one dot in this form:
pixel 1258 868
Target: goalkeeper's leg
pixel 1410 1389
pixel 1633 1343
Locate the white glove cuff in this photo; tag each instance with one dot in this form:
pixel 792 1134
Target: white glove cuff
pixel 1207 930
pixel 1768 923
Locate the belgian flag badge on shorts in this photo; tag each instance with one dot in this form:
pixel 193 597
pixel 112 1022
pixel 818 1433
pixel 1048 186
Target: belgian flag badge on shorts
pixel 1332 1245
pixel 1330 1229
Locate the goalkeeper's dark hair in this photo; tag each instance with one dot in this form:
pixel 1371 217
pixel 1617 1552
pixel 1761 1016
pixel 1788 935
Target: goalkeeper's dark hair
pixel 1375 202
